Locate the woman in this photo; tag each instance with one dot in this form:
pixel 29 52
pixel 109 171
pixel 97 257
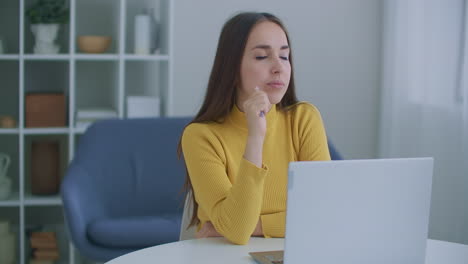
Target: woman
pixel 250 126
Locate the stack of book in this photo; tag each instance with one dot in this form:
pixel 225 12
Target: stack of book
pixel 44 248
pixel 87 116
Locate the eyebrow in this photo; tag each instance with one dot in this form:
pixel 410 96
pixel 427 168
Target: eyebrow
pixel 269 47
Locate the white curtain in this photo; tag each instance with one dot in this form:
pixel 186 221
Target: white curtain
pixel 425 101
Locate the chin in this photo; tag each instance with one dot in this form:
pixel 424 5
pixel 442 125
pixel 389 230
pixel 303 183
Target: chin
pixel 275 99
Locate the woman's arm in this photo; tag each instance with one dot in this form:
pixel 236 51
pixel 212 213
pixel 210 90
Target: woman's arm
pixel 232 208
pixel 255 107
pixel 310 136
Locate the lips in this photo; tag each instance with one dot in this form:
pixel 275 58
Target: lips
pixel 276 84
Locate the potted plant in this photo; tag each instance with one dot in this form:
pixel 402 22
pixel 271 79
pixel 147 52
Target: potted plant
pixel 45 17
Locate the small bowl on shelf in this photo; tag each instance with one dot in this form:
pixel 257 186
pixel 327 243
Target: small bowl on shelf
pixel 94 44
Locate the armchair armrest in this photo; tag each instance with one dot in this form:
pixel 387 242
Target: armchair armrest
pixel 81 203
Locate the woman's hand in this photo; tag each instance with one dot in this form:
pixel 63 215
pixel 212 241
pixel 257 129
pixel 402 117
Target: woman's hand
pixel 255 107
pixel 258 229
pixel 207 230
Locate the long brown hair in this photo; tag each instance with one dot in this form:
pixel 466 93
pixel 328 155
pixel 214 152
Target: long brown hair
pixel 225 78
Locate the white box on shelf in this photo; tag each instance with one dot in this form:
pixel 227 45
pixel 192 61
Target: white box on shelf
pixel 96 113
pixel 142 106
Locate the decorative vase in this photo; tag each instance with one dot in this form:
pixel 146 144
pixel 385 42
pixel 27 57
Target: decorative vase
pixel 45 35
pixel 5 182
pixel 7 244
pixel 146 33
pixel 5 188
pixel 142 34
pixel 4 164
pixel 45 166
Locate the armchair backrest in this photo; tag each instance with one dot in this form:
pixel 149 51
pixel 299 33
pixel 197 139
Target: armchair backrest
pixel 134 164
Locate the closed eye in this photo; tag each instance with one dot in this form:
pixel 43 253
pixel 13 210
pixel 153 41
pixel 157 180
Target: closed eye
pixel 260 57
pixel 284 58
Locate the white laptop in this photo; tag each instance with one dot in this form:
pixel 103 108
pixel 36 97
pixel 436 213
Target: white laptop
pixel 356 211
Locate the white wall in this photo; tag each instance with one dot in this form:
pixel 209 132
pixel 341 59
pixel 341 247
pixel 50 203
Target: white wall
pixel 336 46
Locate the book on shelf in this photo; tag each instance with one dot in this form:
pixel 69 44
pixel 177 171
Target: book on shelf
pixel 46 254
pixel 43 243
pixel 43 235
pixel 96 113
pixel 44 246
pixel 41 261
pixel 86 116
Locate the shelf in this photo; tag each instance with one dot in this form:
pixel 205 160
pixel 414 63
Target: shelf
pixel 46 131
pixel 12 201
pixel 35 200
pixel 51 76
pixel 97 85
pixel 84 56
pixel 87 80
pixel 9 56
pixel 129 57
pixel 9 131
pixel 54 57
pixel 106 57
pixel 146 57
pixel 98 18
pixel 48 218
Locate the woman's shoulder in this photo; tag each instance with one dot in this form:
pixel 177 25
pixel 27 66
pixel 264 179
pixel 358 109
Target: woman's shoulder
pixel 304 116
pixel 200 129
pixel 196 135
pixel 303 109
pixel 196 128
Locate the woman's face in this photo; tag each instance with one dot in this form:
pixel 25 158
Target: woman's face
pixel 265 63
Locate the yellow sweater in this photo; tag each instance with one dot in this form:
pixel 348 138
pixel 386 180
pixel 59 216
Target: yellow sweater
pixel 232 192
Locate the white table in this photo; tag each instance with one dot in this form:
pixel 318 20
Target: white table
pixel 219 250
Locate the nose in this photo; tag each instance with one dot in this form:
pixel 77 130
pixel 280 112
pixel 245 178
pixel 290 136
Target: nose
pixel 277 66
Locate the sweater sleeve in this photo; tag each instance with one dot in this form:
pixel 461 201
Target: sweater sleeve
pixel 233 209
pixel 311 134
pixel 312 144
pixel 273 225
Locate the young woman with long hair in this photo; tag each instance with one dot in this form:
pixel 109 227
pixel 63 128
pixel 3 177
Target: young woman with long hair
pixel 250 126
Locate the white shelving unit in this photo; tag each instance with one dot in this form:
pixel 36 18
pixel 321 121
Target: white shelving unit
pixel 87 80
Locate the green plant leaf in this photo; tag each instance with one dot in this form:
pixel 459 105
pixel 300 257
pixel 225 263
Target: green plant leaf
pixel 48 11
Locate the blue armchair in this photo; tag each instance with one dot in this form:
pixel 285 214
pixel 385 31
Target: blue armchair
pixel 334 153
pixel 122 190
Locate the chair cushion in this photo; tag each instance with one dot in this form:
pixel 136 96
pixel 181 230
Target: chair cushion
pixel 134 232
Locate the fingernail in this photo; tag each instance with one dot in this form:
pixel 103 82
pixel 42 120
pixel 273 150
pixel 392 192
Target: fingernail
pixel 256 88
